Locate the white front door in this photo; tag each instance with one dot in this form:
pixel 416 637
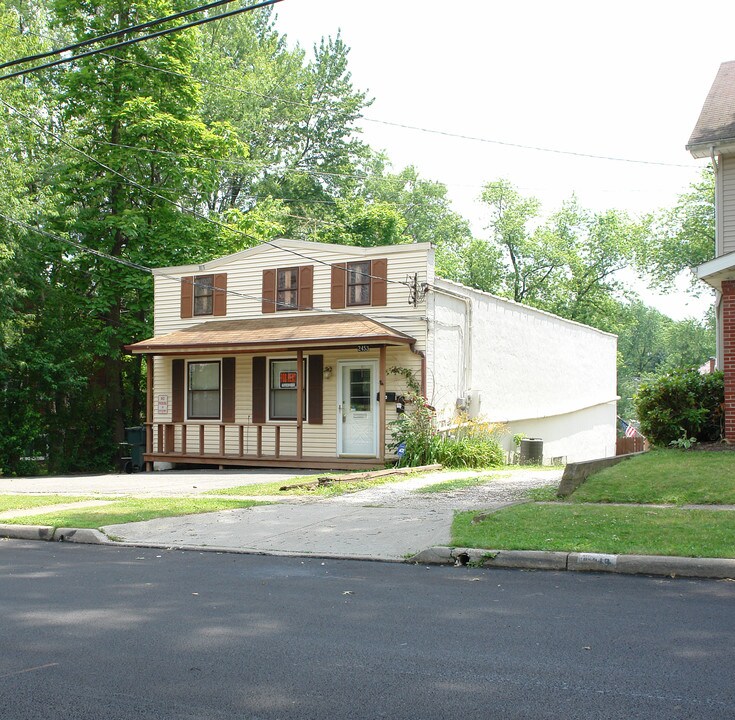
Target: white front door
pixel 357 413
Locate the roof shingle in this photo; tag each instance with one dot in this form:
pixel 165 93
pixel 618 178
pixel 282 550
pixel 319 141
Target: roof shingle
pixel 292 331
pixel 717 120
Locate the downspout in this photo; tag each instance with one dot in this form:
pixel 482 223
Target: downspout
pixel 719 250
pixel 422 355
pixel 468 327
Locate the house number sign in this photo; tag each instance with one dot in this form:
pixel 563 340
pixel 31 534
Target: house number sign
pixel 363 348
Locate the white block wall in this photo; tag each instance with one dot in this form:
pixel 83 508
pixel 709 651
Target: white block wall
pixel 539 374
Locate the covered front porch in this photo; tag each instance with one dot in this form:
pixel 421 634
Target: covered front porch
pixel 306 392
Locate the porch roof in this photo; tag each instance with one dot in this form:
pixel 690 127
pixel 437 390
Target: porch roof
pixel 254 335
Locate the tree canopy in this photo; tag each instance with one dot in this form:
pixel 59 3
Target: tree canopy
pixel 204 142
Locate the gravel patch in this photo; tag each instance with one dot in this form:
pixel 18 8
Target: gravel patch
pixel 501 487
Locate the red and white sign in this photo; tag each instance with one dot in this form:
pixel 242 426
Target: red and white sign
pixel 287 380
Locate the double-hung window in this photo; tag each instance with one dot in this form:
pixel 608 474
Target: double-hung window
pixel 204 295
pixel 282 390
pixel 287 292
pixel 203 390
pixel 358 283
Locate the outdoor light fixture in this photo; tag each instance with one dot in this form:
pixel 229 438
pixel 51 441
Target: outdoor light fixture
pixel 327 372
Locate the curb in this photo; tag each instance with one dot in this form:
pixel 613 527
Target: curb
pixel 716 568
pixel 579 562
pixel 81 535
pixel 27 532
pixel 45 532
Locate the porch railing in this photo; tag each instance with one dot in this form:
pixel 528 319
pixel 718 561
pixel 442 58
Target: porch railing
pixel 227 440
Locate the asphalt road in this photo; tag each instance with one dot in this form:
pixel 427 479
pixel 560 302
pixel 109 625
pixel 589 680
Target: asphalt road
pixel 106 632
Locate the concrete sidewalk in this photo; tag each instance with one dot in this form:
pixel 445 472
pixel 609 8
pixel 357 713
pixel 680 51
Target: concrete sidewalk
pixel 386 522
pixel 318 528
pixel 391 522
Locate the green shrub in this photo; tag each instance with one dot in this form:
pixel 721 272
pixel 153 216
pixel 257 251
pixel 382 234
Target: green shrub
pixel 681 404
pixel 472 445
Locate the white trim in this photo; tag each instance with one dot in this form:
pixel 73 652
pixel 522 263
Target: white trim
pixel 306 247
pixel 528 309
pixel 373 365
pixel 200 361
pixel 715 271
pixel 305 384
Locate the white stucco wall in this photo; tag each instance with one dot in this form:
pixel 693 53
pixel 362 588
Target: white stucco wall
pixel 539 374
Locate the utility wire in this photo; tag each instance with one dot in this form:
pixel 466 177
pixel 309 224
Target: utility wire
pixel 389 123
pixel 80 247
pixel 143 38
pixel 179 206
pixel 415 128
pixel 76 245
pixel 525 147
pixel 115 33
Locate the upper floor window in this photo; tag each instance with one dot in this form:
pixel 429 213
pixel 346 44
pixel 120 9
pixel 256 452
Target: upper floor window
pixel 204 295
pixel 287 293
pixel 290 288
pixel 358 283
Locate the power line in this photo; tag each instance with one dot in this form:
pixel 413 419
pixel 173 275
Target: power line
pixel 76 245
pixel 505 143
pixel 115 33
pixel 175 278
pixel 177 205
pixel 143 38
pixel 405 126
pixel 444 133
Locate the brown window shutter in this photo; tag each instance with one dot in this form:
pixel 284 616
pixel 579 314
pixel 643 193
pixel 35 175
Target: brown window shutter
pixel 219 302
pixel 228 390
pixel 306 287
pixel 177 391
pixel 379 289
pixel 269 291
pixel 187 297
pixel 339 281
pixel 259 389
pixel 316 389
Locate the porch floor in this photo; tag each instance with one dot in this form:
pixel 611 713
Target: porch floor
pixel 307 463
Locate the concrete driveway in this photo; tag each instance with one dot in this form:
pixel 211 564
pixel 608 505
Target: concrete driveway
pixel 158 484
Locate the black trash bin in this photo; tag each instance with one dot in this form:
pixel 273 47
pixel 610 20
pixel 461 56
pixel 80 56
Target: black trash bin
pixel 532 451
pixel 135 439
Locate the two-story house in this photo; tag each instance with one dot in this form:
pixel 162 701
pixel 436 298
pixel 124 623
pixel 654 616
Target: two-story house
pixel 714 138
pixel 299 354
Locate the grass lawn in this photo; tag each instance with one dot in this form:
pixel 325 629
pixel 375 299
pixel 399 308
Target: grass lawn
pixel 132 510
pixel 22 502
pixel 665 477
pixel 614 530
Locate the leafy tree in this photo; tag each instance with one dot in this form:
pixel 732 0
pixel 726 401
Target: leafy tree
pixel 683 237
pixel 567 265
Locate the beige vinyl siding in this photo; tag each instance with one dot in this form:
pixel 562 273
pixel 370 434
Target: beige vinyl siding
pixel 728 204
pixel 245 273
pixel 244 278
pixel 161 386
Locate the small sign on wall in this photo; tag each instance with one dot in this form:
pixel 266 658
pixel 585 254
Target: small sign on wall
pixel 162 404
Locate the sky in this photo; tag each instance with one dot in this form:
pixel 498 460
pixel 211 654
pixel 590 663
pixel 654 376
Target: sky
pixel 617 80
